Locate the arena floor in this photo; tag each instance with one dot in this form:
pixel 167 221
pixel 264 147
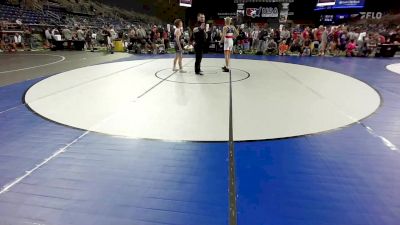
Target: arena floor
pixel 88 138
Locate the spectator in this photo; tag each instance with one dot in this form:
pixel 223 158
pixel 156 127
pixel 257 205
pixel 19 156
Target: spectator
pixel 296 47
pixel 350 51
pixel 2 44
pixel 306 34
pixel 272 47
pixel 141 33
pixel 165 38
pixel 100 37
pixel 132 35
pixel 364 50
pixel 6 43
pixel 28 37
pixel 296 33
pixel 240 39
pixel 67 34
pixel 276 35
pixel 283 48
pixel 188 33
pixel 306 47
pixel 153 39
pixel 263 39
pixel 113 33
pixel 89 40
pixel 108 40
pixel 80 35
pixel 17 41
pixel 255 38
pixel 317 38
pixel 371 42
pixel 335 41
pixel 10 41
pixel 55 34
pixel 208 41
pixel 324 41
pixel 342 39
pixel 216 34
pixel 48 37
pixel 382 39
pixel 395 36
pixel 285 35
pixel 353 35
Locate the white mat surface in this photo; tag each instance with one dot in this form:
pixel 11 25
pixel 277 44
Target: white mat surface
pixel 394 68
pixel 278 100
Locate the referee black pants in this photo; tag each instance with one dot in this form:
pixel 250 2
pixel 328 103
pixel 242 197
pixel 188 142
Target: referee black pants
pixel 199 57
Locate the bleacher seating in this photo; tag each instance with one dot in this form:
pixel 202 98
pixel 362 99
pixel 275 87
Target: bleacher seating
pixel 12 13
pixel 55 13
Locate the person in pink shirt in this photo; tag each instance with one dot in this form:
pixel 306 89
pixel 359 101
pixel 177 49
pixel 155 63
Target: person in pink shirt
pixel 350 51
pixel 306 33
pixel 382 39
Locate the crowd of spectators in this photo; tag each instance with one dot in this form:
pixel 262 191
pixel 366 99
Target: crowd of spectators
pixel 342 40
pixel 138 38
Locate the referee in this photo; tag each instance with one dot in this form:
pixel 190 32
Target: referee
pixel 200 36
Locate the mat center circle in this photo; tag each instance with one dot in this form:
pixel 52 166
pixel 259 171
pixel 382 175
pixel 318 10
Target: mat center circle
pixel 211 75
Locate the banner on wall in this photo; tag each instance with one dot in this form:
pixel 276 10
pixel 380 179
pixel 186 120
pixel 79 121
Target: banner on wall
pixel 263 12
pixel 185 3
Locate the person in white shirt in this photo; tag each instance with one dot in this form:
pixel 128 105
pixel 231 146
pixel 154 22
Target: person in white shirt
pixel 114 34
pixel 54 32
pixel 80 34
pixel 285 35
pixel 353 35
pixel 361 36
pixel 66 32
pixel 18 38
pixel 17 42
pixel 47 34
pixel 255 34
pixel 324 42
pixel 361 41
